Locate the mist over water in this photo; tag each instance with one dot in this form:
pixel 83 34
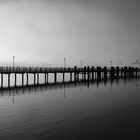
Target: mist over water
pixel 82 110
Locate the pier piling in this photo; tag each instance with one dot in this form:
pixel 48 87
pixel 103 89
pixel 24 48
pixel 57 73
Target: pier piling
pixel 27 79
pixel 1 80
pixel 34 78
pixel 37 78
pixel 15 79
pixel 22 79
pixel 55 77
pixel 8 80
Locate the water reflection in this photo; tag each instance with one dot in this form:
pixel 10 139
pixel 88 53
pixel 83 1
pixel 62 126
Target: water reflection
pixel 29 89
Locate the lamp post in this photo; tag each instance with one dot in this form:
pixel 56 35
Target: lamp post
pixel 137 62
pixel 120 63
pixel 64 62
pixel 81 63
pixel 111 63
pixel 13 61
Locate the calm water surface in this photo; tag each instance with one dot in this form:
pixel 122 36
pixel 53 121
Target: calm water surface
pixel 72 111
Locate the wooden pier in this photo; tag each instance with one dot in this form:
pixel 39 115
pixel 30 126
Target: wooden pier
pixel 75 73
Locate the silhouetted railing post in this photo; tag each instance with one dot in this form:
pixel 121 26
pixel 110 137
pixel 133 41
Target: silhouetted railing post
pixel 117 72
pixel 88 71
pixel 112 72
pixel 92 69
pixel 105 72
pixel 98 73
pixel 82 73
pixel 133 72
pixel 75 73
pixel 85 73
pixel 125 72
pixel 130 72
pixel 122 71
pixel 136 71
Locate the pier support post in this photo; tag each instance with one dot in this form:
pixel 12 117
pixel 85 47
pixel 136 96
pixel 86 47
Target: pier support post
pixel 22 79
pixel 98 73
pixel 105 72
pixel 71 76
pixel 8 80
pixel 55 77
pixel 75 73
pixel 15 79
pixel 133 71
pixel 125 72
pixel 77 76
pixel 88 71
pixel 84 73
pixel 92 69
pixel 112 72
pixel 45 78
pixel 63 76
pixel 74 76
pixel 27 79
pixel 117 72
pixel 129 72
pixel 37 78
pixel 122 71
pixel 1 80
pixel 34 78
pixel 136 71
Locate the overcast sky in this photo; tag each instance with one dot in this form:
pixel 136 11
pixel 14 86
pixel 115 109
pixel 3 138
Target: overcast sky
pixel 44 32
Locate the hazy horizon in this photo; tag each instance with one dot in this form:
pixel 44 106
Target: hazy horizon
pixel 44 32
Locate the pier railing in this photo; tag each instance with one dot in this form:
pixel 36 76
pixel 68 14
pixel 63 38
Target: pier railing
pixel 61 69
pixel 36 69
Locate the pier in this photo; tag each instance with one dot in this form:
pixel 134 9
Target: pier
pixel 75 73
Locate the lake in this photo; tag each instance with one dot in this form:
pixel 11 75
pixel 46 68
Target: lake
pixel 72 111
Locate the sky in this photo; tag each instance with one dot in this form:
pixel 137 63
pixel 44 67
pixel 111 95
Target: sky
pixel 44 32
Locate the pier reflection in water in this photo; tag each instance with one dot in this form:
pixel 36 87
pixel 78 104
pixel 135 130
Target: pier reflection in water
pixel 72 110
pixel 28 89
